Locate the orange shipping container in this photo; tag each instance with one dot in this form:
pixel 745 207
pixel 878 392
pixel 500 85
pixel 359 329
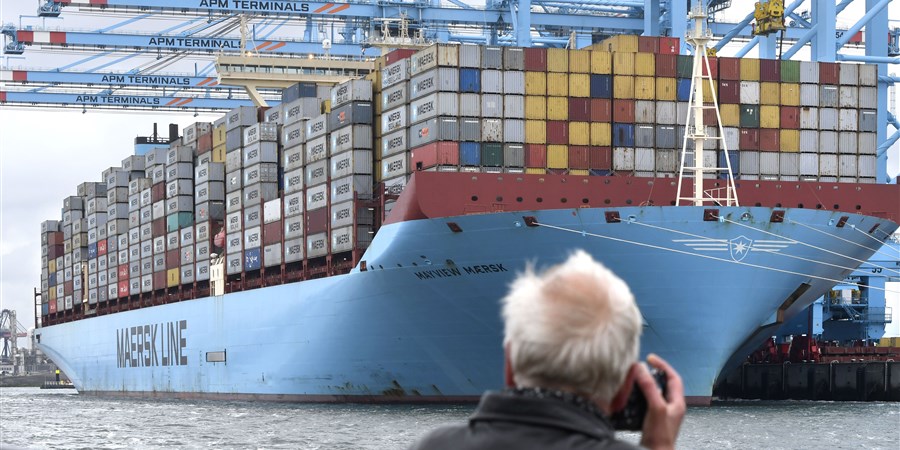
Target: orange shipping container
pixel 558 84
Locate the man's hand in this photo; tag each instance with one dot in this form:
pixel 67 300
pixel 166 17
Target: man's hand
pixel 664 415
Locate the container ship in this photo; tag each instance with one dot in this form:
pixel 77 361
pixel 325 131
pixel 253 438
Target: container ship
pixel 353 242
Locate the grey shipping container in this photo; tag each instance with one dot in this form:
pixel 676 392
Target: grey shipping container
pixel 293 227
pixel 293 204
pixel 867 144
pixel 513 58
pixel 353 137
pixel 395 96
pixel 394 143
pixel 809 95
pixel 847 143
pixel 293 181
pixel 492 57
pixel 514 106
pixel 272 255
pixel 432 105
pixel 347 238
pixel 828 142
pixel 828 96
pixel 436 129
pixel 809 72
pixel 644 136
pixel 233 181
pixel 513 131
pixel 396 166
pixel 828 165
pixel 644 111
pixel 470 55
pixel 491 82
pixel 351 113
pixel 316 126
pixel 260 173
pixel 394 73
pixel 828 119
pixel 316 245
pixel 666 113
pixel 789 163
pixel 492 106
pixel 241 116
pixel 469 105
pixel 394 119
pixel 623 159
pixel 316 197
pixel 260 152
pixel 868 97
pixel 644 159
pixel 252 217
pixel 234 139
pixel 209 191
pixel 732 140
pixel 866 166
pixel 847 166
pixel 316 149
pixel 809 164
pixel 359 90
pixel 178 171
pixel 293 158
pixel 514 155
pixel 317 172
pixel 809 118
pixel 440 79
pixel 211 171
pixel 261 132
pixel 293 135
pixel 809 141
pixel 868 120
pixel 346 213
pixel 666 160
pixel 469 129
pixel 769 163
pixel 259 193
pixel 665 136
pixel 179 187
pixel 293 250
pixel 513 82
pixel 351 162
pixel 849 75
pixel 848 97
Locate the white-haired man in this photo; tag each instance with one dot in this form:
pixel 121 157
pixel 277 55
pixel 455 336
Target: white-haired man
pixel 572 342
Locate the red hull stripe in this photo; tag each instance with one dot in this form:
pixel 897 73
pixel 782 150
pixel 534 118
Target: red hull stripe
pixel 20 75
pixel 26 37
pixel 57 37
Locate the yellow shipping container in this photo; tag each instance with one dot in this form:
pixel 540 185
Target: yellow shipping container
pixel 378 109
pixel 326 107
pixel 535 170
pixel 644 88
pixel 377 148
pixel 708 91
pixel 790 141
pixel 618 43
pixel 769 116
pixel 557 156
pixel 535 83
pixel 173 277
pixel 558 84
pixel 601 62
pixel 623 86
pixel 53 293
pixel 579 133
pixel 645 64
pixel 790 94
pixel 579 61
pixel 535 131
pixel 579 85
pixel 218 153
pixel 557 60
pixel 378 170
pixel 623 63
pixel 601 134
pixel 219 135
pixel 579 172
pixel 769 93
pixel 557 108
pixel 731 116
pixel 375 78
pixel 666 89
pixel 884 342
pixel 51 265
pixel 535 107
pixel 749 69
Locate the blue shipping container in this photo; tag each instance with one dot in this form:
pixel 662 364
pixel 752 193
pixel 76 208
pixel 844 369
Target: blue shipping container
pixel 683 90
pixel 470 80
pixel 92 250
pixel 623 135
pixel 252 260
pixel 601 86
pixel 51 279
pixel 469 154
pixel 735 159
pixel 600 172
pixel 45 309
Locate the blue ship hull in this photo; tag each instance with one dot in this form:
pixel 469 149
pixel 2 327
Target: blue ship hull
pixel 421 322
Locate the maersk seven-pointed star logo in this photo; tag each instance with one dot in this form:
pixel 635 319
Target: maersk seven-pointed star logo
pixel 739 247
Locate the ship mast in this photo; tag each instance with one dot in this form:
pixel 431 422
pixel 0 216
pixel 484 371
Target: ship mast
pixel 695 130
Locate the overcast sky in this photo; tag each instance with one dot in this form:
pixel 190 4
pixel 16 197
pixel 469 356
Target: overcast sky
pixel 46 153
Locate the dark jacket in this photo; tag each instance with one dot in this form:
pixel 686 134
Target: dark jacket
pixel 507 421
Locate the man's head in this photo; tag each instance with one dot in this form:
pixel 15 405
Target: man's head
pixel 575 326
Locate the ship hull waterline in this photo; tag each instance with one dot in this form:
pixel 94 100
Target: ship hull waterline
pixel 421 323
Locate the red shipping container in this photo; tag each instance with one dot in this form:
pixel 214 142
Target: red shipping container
pixel 316 221
pixel 729 69
pixel 770 70
pixel 557 132
pixel 669 46
pixel 397 55
pixel 666 66
pixel 648 44
pixel 579 157
pixel 52 307
pixel 769 139
pixel 749 139
pixel 601 158
pixel 709 118
pixel 101 247
pixel 55 238
pixel 204 143
pixel 173 259
pixel 55 251
pixel 159 280
pixel 579 109
pixel 536 59
pixel 272 233
pixel 158 192
pixel 123 289
pixel 790 117
pixel 158 226
pixel 68 288
pixel 535 155
pixel 713 68
pixel 601 110
pixel 623 111
pixel 729 92
pixel 123 272
pixel 434 154
pixel 829 73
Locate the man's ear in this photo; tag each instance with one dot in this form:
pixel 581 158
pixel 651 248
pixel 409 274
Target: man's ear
pixel 621 398
pixel 508 377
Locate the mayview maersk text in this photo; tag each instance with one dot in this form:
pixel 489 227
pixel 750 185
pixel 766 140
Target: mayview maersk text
pixel 356 249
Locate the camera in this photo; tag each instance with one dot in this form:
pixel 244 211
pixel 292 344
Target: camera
pixel 631 417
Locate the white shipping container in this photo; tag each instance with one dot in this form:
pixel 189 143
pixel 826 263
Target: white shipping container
pixel 732 138
pixel 393 120
pixel 866 166
pixel 514 130
pixel 272 211
pixel 644 159
pixel 146 283
pixel 395 96
pixel 749 93
pixel 347 238
pixel 469 105
pixel 828 118
pixel 436 104
pixel 316 245
pixel 828 165
pixel 351 162
pixel 175 188
pixel 317 126
pixel 352 137
pixel 252 216
pixel 300 110
pixel 234 263
pixel 293 158
pixel 828 96
pixel 293 181
pixel 159 245
pixel 849 75
pixel 666 113
pixel 211 171
pixel 867 144
pixel 789 163
pixel 317 172
pixel 848 120
pixel 233 221
pixel 234 201
pixel 316 150
pixel 252 237
pixel 293 250
pixel 153 157
pixel 293 227
pixel 769 163
pixel 395 166
pixel 809 72
pixel 260 152
pixel 393 143
pixel 234 243
pixel 828 142
pixel 847 165
pixel 436 55
pixel 514 82
pixel 514 107
pixel 343 189
pixel 442 79
pixel 351 91
pixel 848 97
pixel 492 130
pixel 293 135
pixel 492 105
pixel 847 143
pixel 260 132
pixel 470 55
pixel 272 255
pixel 809 95
pixel 868 75
pixel 809 164
pixel 491 81
pixel 260 173
pixel 623 158
pixel 317 197
pixel 394 73
pixel 345 213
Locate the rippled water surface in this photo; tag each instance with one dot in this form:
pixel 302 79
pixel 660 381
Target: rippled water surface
pixel 32 418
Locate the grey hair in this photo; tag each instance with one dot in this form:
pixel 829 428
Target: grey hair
pixel 574 326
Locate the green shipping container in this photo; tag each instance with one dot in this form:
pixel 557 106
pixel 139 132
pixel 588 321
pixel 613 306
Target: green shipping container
pixel 790 71
pixel 685 67
pixel 176 221
pixel 749 116
pixel 492 154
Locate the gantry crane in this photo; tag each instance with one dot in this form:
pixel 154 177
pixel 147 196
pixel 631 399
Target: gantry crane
pixel 10 331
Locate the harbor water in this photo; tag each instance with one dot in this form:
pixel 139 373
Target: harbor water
pixel 32 418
